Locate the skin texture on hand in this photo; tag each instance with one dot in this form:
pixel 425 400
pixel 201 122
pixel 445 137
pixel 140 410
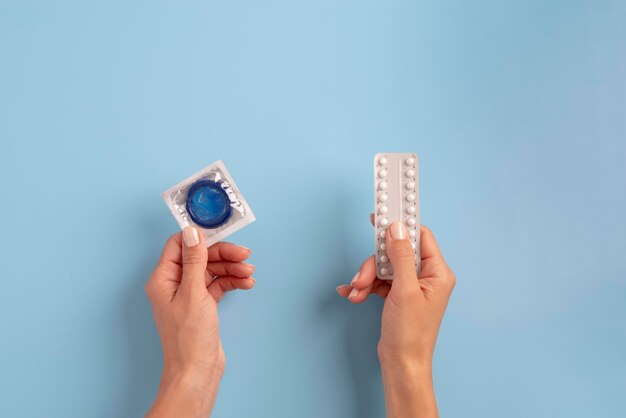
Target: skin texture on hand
pixel 412 313
pixel 184 290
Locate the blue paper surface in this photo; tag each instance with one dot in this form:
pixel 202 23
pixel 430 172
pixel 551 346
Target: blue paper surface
pixel 516 109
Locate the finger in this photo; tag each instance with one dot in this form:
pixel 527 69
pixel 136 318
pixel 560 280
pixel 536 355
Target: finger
pixel 164 280
pixel 366 274
pixel 221 251
pixel 226 251
pixel 194 260
pixel 344 290
pixel 173 251
pixel 428 245
pixel 402 257
pixel 169 265
pixel 359 295
pixel 372 218
pixel 381 288
pixel 221 285
pixel 348 292
pixel 226 268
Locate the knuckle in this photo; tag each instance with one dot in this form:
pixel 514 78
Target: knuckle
pixel 149 289
pixel 427 232
pixel 230 269
pixel 192 258
pixel 410 294
pixel 452 279
pixel 173 238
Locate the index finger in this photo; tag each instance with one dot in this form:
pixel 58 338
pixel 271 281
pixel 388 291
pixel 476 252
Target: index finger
pixel 366 274
pixel 428 245
pixel 226 251
pixel 220 251
pixel 173 251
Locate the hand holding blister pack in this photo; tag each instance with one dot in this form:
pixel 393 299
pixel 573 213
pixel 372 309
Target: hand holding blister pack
pixel 396 198
pixel 211 201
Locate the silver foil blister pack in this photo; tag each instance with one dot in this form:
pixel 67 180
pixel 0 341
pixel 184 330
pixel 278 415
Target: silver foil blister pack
pixel 396 198
pixel 211 201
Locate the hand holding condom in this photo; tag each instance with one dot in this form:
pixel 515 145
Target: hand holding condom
pixel 187 284
pixel 184 290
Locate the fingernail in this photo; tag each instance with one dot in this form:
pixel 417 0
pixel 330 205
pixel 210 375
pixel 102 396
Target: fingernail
pixel 356 277
pixel 248 264
pixel 398 230
pixel 353 293
pixel 341 286
pixel 245 248
pixel 190 236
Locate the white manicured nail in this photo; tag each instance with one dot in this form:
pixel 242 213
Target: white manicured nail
pixel 190 236
pixel 355 278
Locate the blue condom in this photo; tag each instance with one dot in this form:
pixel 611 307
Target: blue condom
pixel 208 204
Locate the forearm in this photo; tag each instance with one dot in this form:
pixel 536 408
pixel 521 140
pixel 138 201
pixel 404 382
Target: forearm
pixel 185 395
pixel 409 391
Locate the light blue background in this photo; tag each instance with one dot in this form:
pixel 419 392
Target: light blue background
pixel 518 112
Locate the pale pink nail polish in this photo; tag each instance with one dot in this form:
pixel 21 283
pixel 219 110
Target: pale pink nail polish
pixel 353 293
pixel 355 278
pixel 398 230
pixel 190 236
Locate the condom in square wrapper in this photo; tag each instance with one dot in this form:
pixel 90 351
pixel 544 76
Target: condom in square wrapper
pixel 211 201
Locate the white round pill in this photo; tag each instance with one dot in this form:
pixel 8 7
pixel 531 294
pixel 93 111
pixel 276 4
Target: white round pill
pixel 413 245
pixel 382 185
pixel 384 258
pixel 410 197
pixel 383 209
pixel 409 173
pixel 382 246
pixel 383 197
pixel 382 161
pixel 410 221
pixel 412 234
pixel 384 271
pixel 385 221
pixel 410 161
pixel 383 173
pixel 410 185
pixel 383 233
pixel 410 210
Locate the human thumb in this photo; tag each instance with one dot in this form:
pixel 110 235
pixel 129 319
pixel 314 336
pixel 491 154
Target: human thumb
pixel 402 256
pixel 194 258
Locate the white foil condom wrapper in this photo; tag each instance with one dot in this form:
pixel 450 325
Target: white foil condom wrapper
pixel 225 209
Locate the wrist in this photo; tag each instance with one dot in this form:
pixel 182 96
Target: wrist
pixel 408 384
pixel 192 375
pixel 185 393
pixel 407 367
pixel 406 360
pixel 194 370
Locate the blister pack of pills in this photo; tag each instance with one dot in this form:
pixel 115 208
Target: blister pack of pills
pixel 396 198
pixel 211 201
